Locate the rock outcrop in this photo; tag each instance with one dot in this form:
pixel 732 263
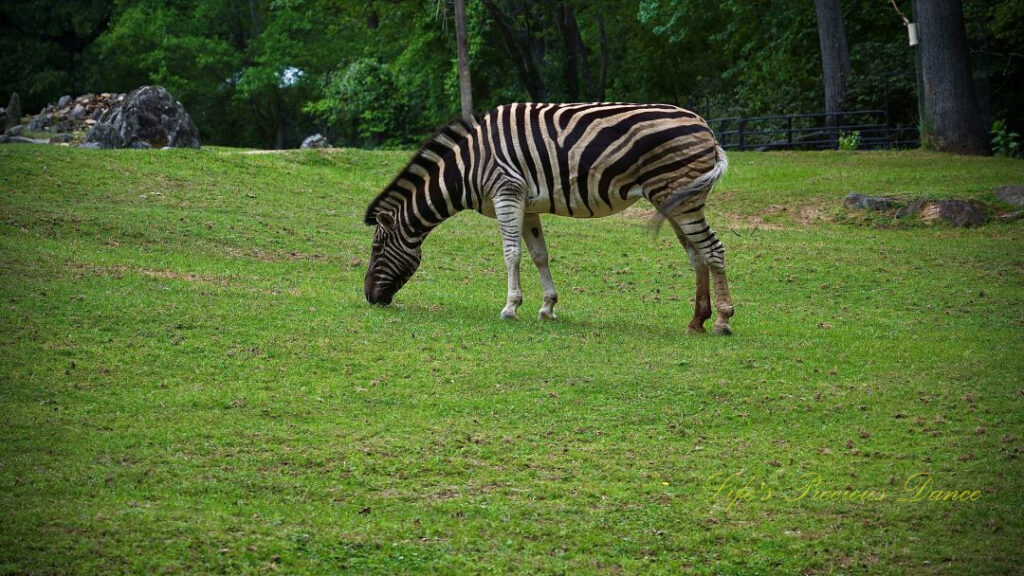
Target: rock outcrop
pixel 147 117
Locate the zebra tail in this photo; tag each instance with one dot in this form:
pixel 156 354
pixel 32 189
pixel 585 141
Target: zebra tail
pixel 703 184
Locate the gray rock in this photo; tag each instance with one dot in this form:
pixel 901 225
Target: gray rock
pixel 61 138
pixel 956 212
pixel 315 141
pixel 78 112
pixel 24 140
pixel 862 202
pixel 1011 195
pixel 4 139
pixel 64 101
pixel 14 108
pixel 40 122
pixel 90 145
pixel 911 208
pixel 148 117
pixel 14 130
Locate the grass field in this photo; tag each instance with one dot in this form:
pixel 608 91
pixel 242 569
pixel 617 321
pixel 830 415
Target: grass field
pixel 191 381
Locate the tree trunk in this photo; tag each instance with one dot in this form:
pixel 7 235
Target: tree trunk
pixel 280 134
pixel 604 58
pixel 465 84
pixel 835 57
pixel 951 121
pixel 570 65
pixel 524 52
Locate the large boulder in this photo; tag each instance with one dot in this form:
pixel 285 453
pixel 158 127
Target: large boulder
pixel 148 117
pixel 315 141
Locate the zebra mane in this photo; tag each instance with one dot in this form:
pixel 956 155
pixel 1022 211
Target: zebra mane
pixel 440 144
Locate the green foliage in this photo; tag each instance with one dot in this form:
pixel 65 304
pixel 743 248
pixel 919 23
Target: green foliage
pixel 268 72
pixel 1004 142
pixel 849 141
pixel 366 103
pixel 193 383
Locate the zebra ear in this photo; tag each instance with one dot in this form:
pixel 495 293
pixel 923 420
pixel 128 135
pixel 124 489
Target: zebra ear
pixel 386 219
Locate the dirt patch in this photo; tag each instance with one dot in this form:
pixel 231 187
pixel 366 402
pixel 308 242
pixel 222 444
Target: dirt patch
pixel 805 216
pixel 119 271
pixel 238 283
pixel 812 215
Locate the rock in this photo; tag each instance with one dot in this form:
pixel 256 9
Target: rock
pixel 64 101
pixel 40 122
pixel 63 138
pixel 911 208
pixel 956 212
pixel 4 138
pixel 148 117
pixel 90 145
pixel 14 130
pixel 315 141
pixel 24 140
pixel 78 112
pixel 1011 195
pixel 1011 216
pixel 862 202
pixel 14 109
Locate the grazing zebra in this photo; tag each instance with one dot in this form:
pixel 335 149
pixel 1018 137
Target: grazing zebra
pixel 578 160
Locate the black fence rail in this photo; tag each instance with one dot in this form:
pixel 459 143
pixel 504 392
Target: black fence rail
pixel 871 129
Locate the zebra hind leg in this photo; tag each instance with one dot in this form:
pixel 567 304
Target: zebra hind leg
pixel 689 220
pixel 534 235
pixel 702 298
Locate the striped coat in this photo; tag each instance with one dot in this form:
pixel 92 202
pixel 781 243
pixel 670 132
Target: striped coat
pixel 578 160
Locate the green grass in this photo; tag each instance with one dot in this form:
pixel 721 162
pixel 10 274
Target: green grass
pixel 192 382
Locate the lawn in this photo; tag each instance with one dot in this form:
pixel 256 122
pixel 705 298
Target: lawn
pixel 192 382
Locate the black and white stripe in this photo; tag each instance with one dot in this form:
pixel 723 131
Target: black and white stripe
pixel 577 160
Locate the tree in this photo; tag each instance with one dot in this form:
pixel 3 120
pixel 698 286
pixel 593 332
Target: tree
pixel 835 57
pixel 462 46
pixel 952 122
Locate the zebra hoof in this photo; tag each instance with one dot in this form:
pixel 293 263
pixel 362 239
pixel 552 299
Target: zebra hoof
pixel 546 315
pixel 506 315
pixel 722 330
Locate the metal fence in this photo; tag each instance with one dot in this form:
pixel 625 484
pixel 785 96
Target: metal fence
pixel 813 131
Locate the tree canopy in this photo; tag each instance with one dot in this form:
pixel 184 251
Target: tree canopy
pixel 384 72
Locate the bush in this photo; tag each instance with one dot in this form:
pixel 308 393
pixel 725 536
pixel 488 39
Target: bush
pixel 849 140
pixel 1004 142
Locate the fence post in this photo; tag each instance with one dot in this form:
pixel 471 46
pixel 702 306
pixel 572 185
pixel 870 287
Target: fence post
pixel 789 131
pixel 743 125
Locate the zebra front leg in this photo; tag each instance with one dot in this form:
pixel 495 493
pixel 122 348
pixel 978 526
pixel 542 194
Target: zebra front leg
pixel 534 235
pixel 509 212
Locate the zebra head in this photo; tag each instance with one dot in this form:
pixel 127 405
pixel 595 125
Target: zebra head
pixel 393 260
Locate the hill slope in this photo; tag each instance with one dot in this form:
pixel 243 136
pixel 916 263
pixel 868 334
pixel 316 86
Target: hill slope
pixel 191 381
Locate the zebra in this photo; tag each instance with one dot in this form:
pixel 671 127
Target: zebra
pixel 579 160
